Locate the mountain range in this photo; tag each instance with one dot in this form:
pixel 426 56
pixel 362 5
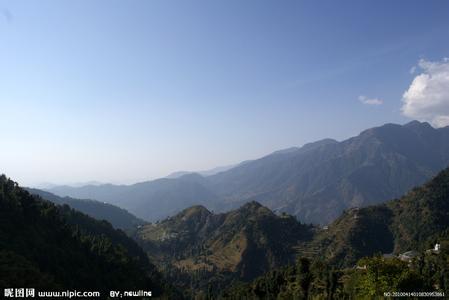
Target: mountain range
pixel 204 252
pixel 315 182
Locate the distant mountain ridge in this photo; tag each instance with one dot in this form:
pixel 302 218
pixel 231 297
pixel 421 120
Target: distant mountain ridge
pixel 118 217
pixel 315 182
pixel 152 200
pixel 209 172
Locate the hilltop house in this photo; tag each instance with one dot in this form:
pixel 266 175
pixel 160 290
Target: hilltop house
pixel 435 250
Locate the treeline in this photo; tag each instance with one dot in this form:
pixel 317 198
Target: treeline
pixel 369 279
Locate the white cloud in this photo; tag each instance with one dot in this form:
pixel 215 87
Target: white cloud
pixel 427 98
pixel 370 101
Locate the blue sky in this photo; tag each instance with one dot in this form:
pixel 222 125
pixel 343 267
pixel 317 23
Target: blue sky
pixel 124 91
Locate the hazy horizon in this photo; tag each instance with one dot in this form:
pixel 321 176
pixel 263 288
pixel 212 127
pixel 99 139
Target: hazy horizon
pixel 121 92
pixel 46 185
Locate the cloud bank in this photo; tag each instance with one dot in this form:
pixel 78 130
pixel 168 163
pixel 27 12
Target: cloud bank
pixel 427 98
pixel 370 101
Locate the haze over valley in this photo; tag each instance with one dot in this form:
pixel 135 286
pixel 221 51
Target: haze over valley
pixel 315 182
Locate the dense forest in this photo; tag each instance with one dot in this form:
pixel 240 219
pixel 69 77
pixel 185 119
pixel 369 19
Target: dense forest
pixel 55 247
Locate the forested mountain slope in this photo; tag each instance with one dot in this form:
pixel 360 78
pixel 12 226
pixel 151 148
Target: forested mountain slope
pixel 118 217
pixel 416 221
pixel 201 248
pixel 50 247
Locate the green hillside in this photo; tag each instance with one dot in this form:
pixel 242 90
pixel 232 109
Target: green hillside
pixel 50 247
pixel 202 250
pixel 413 222
pixel 347 261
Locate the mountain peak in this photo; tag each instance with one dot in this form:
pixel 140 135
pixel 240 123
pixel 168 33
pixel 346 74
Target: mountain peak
pixel 192 176
pixel 396 131
pixel 195 210
pixel 254 208
pixel 285 151
pixel 319 143
pixel 252 205
pixel 416 123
